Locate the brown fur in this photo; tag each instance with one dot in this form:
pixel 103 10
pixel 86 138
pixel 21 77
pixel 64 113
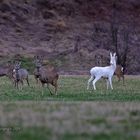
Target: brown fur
pixel 49 75
pixel 7 70
pixel 36 74
pixel 119 73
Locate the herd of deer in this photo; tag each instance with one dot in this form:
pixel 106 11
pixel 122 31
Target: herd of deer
pixel 45 74
pixel 49 75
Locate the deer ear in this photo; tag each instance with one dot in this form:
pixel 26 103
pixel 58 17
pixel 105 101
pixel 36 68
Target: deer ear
pixel 110 54
pixel 114 54
pixel 116 58
pixel 19 63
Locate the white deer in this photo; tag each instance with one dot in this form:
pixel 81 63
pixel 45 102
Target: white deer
pixel 106 72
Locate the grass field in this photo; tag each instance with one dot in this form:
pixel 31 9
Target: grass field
pixel 73 88
pixel 74 114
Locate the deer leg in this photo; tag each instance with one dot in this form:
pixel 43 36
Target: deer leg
pixel 110 82
pixel 56 89
pixel 36 80
pixel 42 87
pixel 123 79
pixel 49 89
pixel 21 81
pixel 55 85
pixel 119 78
pixel 42 84
pixel 27 81
pixel 95 80
pixel 15 84
pixel 89 81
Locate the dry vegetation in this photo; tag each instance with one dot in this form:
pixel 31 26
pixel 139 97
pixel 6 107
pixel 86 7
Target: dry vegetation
pixel 70 120
pixel 51 28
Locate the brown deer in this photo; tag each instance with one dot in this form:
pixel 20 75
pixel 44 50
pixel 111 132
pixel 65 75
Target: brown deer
pixel 3 70
pixel 38 64
pixel 7 70
pixel 47 75
pixel 119 73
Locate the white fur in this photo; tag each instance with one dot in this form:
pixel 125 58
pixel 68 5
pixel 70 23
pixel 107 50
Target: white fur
pixel 107 72
pixel 122 69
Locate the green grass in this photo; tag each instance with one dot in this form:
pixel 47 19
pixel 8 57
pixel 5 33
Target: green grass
pixel 43 133
pixel 74 114
pixel 33 133
pixel 73 88
pixel 101 136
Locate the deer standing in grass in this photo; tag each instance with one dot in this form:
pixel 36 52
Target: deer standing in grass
pixel 46 74
pixel 6 70
pixel 107 72
pixel 119 73
pixel 20 74
pixel 38 64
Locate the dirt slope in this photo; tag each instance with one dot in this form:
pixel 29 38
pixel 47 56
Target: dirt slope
pixel 70 34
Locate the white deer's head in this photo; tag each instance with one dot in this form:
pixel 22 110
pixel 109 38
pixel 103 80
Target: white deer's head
pixel 113 59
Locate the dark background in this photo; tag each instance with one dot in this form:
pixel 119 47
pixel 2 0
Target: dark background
pixel 74 35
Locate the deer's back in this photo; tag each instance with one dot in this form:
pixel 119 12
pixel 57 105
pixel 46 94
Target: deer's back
pixel 23 73
pixel 119 70
pixel 48 74
pixel 3 71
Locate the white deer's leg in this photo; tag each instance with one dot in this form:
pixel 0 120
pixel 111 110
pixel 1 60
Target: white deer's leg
pixel 94 81
pixel 89 81
pixel 110 81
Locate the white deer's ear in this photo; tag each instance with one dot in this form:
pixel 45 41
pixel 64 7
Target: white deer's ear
pixel 116 58
pixel 114 54
pixel 110 54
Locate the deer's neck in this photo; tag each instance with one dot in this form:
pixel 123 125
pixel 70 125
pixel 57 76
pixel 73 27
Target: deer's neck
pixel 113 66
pixel 37 69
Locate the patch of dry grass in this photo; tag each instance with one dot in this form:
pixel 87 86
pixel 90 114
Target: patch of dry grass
pixel 61 119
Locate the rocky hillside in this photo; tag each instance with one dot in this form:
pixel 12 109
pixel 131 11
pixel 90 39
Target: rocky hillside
pixel 74 35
